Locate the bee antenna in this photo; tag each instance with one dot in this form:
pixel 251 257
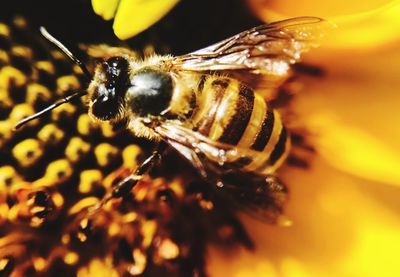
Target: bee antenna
pixel 66 51
pixel 60 102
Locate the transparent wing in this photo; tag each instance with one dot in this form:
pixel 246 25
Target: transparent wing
pixel 266 49
pixel 260 196
pixel 223 155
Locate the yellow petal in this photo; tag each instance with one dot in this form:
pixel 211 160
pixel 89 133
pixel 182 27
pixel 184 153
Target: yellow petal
pixel 367 243
pixel 353 110
pixel 323 9
pixel 105 8
pixel 355 151
pixel 369 30
pixel 360 23
pixel 134 16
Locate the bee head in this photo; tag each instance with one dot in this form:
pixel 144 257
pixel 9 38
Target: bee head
pixel 109 91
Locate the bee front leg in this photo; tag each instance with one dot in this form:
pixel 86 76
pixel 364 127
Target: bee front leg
pixel 125 186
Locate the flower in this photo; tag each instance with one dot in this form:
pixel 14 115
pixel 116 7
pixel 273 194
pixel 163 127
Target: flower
pixel 325 234
pixel 345 209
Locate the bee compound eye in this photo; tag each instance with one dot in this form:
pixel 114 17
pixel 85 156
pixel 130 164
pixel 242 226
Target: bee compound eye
pixel 105 108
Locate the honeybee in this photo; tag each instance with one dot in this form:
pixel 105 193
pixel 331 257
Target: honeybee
pixel 198 104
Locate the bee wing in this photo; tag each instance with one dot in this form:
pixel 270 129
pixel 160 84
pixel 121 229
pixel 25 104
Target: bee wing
pixel 222 154
pixel 267 49
pixel 261 196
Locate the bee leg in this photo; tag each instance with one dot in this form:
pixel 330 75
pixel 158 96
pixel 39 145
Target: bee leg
pixel 125 186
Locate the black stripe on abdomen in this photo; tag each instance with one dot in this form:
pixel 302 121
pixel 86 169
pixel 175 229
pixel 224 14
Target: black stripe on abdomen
pixel 239 121
pixel 266 130
pixel 279 148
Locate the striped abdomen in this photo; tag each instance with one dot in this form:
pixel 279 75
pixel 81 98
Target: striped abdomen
pixel 229 112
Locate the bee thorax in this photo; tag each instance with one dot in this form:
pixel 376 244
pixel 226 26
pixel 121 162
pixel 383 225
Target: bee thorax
pixel 150 92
